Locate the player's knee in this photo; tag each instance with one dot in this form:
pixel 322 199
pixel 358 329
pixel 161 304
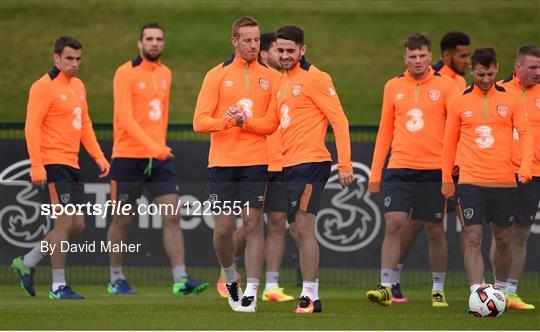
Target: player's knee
pixel 223 233
pixel 253 227
pixel 276 228
pixel 79 227
pixel 435 232
pixel 394 228
pixel 502 242
pixel 171 221
pixel 122 222
pixel 473 239
pixel 303 230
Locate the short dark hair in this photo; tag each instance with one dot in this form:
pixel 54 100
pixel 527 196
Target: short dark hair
pixel 266 40
pixel 416 41
pixel 453 39
pixel 66 41
pixel 530 49
pixel 149 25
pixel 244 21
pixel 291 32
pixel 484 56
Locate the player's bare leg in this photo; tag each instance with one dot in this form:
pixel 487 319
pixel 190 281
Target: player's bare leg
pixel 474 263
pixel 390 252
pixel 410 233
pixel 253 256
pixel 223 239
pixel 275 248
pixel 437 261
pixel 302 230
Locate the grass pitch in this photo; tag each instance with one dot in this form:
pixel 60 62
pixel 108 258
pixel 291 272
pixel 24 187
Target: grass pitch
pixel 156 308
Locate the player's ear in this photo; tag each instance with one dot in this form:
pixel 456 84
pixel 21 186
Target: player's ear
pixel 56 58
pixel 303 50
pixel 139 45
pixel 234 41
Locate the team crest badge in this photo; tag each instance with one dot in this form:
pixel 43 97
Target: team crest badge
pixel 502 110
pixel 434 94
pixel 537 103
pixel 264 83
pixel 296 89
pixel 64 198
pixel 468 213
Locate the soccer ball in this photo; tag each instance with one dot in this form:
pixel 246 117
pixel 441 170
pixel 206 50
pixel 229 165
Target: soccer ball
pixel 487 301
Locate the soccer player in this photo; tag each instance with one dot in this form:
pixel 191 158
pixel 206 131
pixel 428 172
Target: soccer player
pixel 238 160
pixel 268 53
pixel 455 57
pixel 482 120
pixel 275 205
pixel 454 62
pixel 525 82
pixel 141 158
pixel 57 122
pixel 412 125
pixel 303 101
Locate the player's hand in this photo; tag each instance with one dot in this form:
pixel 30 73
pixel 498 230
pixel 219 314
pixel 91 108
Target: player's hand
pixel 345 177
pixel 524 175
pixel 39 183
pixel 448 190
pixel 231 112
pixel 374 187
pixel 39 176
pixel 241 118
pixel 104 168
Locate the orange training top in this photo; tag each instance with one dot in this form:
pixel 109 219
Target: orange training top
pixel 141 109
pixel 447 71
pixel 303 102
pixel 531 101
pixel 412 123
pixel 229 84
pixel 275 154
pixel 57 122
pixel 483 123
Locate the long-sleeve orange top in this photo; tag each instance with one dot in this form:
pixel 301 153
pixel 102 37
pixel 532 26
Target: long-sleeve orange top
pixel 57 121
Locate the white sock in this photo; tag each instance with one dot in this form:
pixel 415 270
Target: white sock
pixel 56 285
pixel 511 285
pixel 116 273
pixel 438 280
pixel 230 274
pixel 309 289
pixel 501 285
pixel 387 276
pixel 397 273
pixel 34 256
pixel 58 278
pixel 252 287
pixel 474 287
pixel 316 291
pixel 272 278
pixel 179 273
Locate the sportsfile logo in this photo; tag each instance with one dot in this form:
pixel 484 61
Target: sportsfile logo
pixel 354 219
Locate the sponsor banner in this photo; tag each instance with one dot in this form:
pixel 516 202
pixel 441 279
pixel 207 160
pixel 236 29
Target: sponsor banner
pixel 349 227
